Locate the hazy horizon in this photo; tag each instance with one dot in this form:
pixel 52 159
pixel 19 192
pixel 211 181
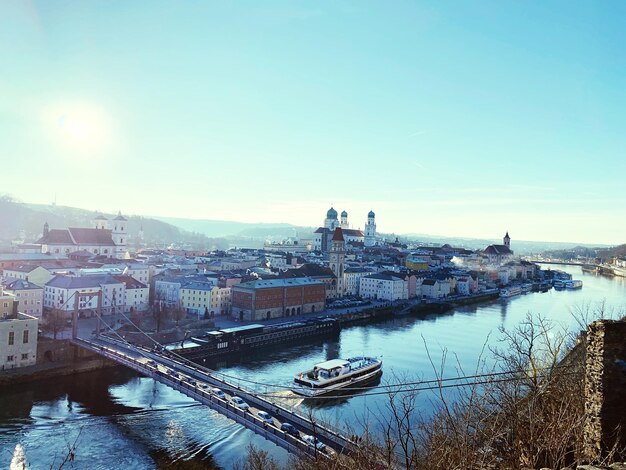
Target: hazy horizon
pixel 172 219
pixel 463 119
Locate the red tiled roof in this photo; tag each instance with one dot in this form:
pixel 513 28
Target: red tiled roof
pixel 77 236
pixel 91 236
pixel 352 232
pixel 56 237
pixel 338 235
pixel 498 250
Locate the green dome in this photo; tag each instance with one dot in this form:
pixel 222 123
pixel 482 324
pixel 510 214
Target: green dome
pixel 331 214
pixel 371 214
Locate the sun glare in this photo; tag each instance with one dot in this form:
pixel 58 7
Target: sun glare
pixel 80 128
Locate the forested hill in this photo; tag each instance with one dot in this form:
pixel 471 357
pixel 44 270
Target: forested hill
pixel 25 221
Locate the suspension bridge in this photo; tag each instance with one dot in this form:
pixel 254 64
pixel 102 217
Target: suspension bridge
pixel 218 393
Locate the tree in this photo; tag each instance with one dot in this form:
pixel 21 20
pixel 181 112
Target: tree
pixel 178 313
pixel 54 322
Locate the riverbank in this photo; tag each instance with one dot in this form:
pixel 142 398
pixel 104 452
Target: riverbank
pixel 55 358
pixel 61 358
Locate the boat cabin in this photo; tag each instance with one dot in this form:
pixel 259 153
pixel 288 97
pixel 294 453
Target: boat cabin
pixel 329 369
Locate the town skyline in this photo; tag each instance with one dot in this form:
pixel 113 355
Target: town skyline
pixel 184 223
pixel 456 120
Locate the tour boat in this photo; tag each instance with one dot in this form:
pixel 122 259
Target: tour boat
pixel 574 284
pixel 510 291
pixel 337 374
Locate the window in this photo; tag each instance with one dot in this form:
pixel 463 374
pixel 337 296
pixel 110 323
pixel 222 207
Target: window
pixel 9 358
pixel 11 338
pixel 25 337
pixel 24 356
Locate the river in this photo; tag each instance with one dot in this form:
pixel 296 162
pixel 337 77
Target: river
pixel 118 419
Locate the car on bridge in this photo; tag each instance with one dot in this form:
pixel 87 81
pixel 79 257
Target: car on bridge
pixel 310 440
pixel 266 417
pixel 218 393
pixel 239 403
pixel 290 429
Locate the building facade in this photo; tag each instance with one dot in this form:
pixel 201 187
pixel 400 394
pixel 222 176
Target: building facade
pixel 60 293
pixel 383 287
pixel 107 238
pixel 18 341
pixel 370 229
pixel 29 296
pixel 337 260
pixel 277 298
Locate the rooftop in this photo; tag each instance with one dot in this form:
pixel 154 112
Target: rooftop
pixel 269 283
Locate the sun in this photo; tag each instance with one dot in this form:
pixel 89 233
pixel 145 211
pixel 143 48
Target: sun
pixel 81 128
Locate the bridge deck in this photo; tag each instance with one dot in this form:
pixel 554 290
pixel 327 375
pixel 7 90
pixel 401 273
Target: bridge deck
pixel 195 382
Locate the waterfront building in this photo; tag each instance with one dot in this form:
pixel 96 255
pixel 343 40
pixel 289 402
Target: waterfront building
pixel 351 279
pixel 316 272
pixel 18 340
pixel 60 293
pixel 29 295
pixel 276 298
pixel 383 287
pixel 136 294
pixel 221 300
pixel 435 288
pixel 195 297
pixel 409 279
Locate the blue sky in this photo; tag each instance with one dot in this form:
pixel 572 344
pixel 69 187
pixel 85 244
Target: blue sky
pixel 451 118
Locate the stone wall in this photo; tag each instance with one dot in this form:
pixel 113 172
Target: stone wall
pixel 605 389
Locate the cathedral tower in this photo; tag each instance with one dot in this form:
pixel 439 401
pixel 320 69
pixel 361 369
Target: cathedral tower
pixel 119 233
pixel 344 219
pixel 370 229
pixel 507 240
pixel 331 222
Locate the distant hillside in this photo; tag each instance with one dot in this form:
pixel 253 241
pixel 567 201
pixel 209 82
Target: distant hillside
pixel 585 252
pixel 520 247
pixel 224 228
pixel 25 221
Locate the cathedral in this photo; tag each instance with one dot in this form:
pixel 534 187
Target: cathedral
pixel 356 238
pixel 107 238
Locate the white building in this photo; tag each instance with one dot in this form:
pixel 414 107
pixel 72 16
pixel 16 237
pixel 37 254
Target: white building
pixel 18 341
pixel 352 280
pixel 137 294
pixel 370 229
pixel 221 300
pixel 60 293
pixel 435 288
pixel 29 295
pixel 383 287
pixel 323 235
pixel 107 238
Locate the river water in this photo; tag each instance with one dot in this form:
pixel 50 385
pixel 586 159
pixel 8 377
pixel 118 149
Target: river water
pixel 117 419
